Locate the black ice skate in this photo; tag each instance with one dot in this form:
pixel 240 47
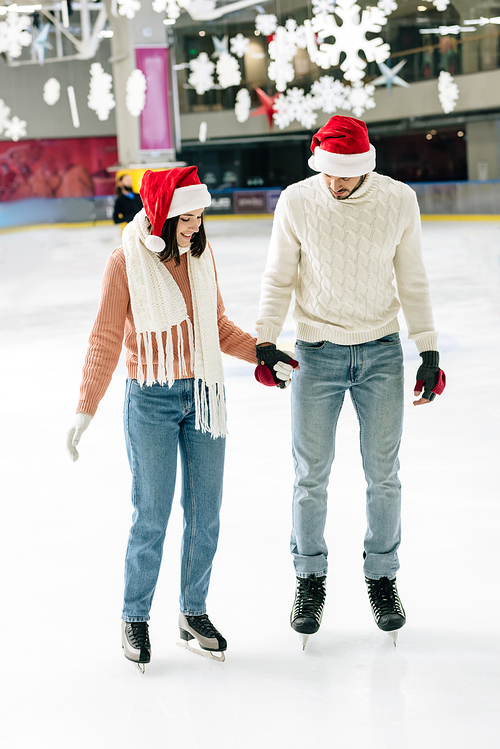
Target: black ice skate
pixel 387 608
pixel 209 639
pixel 307 611
pixel 135 643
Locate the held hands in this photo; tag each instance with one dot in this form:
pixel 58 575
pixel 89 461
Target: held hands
pixel 431 380
pixel 275 367
pixel 80 424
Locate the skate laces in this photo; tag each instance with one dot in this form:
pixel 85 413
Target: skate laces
pixel 310 598
pixel 138 634
pixel 203 626
pixel 384 597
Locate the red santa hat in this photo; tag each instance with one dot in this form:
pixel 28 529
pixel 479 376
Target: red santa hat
pixel 169 193
pixel 341 148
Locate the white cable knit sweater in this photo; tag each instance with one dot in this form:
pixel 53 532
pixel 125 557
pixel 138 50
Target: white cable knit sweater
pixel 340 257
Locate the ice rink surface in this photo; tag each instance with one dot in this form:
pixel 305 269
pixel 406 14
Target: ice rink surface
pixel 64 681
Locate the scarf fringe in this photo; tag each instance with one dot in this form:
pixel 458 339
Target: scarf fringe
pixel 166 371
pixel 211 410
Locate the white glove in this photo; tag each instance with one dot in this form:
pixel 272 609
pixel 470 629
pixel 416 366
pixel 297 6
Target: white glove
pixel 283 370
pixel 81 423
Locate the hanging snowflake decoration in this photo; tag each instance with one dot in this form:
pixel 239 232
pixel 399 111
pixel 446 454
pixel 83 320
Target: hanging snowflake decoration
pixel 359 98
pixel 15 128
pixel 350 39
pixel 51 91
pixel 329 95
pixel 441 4
pixel 323 7
pixel 448 91
pixel 202 76
pixel 135 98
pixel 243 104
pixel 14 34
pixel 282 49
pixel 172 8
pixel 4 115
pixel 100 97
pixel 128 8
pixel 239 45
pixel 266 24
pixel 387 6
pixel 295 105
pixel 228 71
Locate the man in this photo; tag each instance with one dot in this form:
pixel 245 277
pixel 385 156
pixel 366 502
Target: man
pixel 128 202
pixel 339 238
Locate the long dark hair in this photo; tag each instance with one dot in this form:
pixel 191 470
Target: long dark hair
pixel 169 236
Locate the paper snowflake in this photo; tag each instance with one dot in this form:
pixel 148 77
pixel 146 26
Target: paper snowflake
pixel 100 97
pixel 350 39
pixel 448 91
pixel 282 50
pixel 14 35
pixel 242 105
pixel 441 4
pixel 202 76
pixel 172 8
pixel 15 128
pixel 359 98
pixel 228 71
pixel 266 24
pixel 51 91
pixel 239 45
pixel 135 98
pixel 387 6
pixel 295 105
pixel 329 95
pixel 323 7
pixel 128 8
pixel 4 115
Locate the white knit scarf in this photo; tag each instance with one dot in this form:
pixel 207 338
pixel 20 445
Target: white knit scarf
pixel 158 306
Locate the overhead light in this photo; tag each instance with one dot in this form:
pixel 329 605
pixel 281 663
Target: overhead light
pixel 429 136
pixel 481 21
pixel 460 133
pixel 201 33
pixel 257 32
pixel 445 30
pixel 169 21
pixel 421 8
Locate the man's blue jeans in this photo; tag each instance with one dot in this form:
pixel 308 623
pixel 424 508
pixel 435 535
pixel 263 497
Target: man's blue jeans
pixel 373 374
pixel 158 422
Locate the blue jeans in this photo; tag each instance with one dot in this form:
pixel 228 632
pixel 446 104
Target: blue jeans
pixel 158 422
pixel 373 374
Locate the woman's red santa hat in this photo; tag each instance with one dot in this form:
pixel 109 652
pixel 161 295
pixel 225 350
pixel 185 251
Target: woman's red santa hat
pixel 341 148
pixel 168 193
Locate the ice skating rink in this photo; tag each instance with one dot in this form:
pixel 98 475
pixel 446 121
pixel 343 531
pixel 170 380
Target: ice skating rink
pixel 64 681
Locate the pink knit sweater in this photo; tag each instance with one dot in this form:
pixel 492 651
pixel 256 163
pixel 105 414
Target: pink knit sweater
pixel 114 326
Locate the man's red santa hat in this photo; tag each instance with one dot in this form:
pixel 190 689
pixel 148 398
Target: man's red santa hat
pixel 168 193
pixel 341 148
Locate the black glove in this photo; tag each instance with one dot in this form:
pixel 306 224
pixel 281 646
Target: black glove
pixel 430 378
pixel 265 371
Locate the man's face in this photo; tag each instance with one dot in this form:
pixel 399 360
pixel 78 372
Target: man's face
pixel 342 187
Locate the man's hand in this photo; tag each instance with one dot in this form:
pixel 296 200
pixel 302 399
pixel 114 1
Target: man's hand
pixel 431 380
pixel 275 367
pixel 81 423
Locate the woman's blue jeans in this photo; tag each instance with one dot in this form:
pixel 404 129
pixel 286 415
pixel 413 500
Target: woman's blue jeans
pixel 373 374
pixel 158 422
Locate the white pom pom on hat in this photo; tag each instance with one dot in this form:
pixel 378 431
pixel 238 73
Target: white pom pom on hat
pixel 168 193
pixel 341 148
pixel 155 244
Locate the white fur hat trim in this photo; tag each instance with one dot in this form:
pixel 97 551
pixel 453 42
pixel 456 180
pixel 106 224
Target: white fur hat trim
pixel 189 198
pixel 342 164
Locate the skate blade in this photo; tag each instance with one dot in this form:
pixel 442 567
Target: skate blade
pixel 211 655
pixel 303 640
pixel 141 667
pixel 394 636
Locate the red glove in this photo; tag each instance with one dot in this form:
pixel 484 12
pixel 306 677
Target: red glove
pixel 274 367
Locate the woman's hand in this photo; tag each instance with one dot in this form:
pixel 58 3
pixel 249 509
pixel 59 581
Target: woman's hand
pixel 81 423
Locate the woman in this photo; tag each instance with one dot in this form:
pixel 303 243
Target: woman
pixel 127 202
pixel 161 297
